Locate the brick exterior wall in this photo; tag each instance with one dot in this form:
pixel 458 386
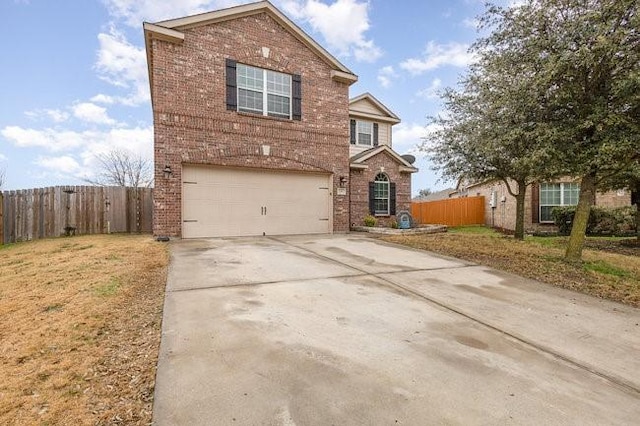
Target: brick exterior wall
pixel 619 198
pixel 193 126
pixel 504 214
pixel 359 188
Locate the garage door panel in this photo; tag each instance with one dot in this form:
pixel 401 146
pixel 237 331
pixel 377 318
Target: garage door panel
pixel 235 202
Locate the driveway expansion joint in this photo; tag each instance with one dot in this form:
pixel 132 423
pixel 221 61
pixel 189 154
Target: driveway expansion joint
pixel 617 381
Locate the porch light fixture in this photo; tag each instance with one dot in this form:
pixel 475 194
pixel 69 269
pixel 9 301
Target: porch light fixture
pixel 167 172
pixel 343 181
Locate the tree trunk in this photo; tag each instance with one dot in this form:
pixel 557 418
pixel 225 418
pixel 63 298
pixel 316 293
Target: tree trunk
pixel 522 190
pixel 637 223
pixel 573 252
pixel 635 199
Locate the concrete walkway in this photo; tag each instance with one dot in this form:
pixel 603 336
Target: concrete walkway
pixel 348 330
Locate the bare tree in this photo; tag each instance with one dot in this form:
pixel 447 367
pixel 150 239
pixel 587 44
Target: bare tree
pixel 122 168
pixel 3 176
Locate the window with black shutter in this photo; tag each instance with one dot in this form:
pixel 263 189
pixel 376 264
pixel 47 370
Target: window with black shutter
pixel 263 92
pixel 296 90
pixel 363 132
pixel 232 93
pixel 381 196
pixel 352 127
pixel 375 134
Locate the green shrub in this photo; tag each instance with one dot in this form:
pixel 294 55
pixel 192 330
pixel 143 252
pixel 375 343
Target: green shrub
pixel 370 220
pixel 394 224
pixel 602 220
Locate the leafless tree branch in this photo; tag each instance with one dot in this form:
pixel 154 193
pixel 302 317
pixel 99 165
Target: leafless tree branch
pixel 122 168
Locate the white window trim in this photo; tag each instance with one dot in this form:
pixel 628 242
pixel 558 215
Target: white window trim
pixel 265 94
pixel 562 203
pixel 358 133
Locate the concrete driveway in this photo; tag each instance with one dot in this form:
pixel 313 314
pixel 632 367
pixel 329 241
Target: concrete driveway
pixel 348 330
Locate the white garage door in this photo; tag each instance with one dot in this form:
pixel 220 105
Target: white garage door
pixel 220 202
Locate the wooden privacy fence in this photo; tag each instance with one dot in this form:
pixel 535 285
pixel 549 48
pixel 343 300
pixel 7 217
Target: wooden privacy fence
pixel 30 214
pixel 450 212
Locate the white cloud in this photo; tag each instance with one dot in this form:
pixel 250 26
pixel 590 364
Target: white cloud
pixel 134 12
pixel 51 139
pixel 385 76
pixel 138 140
pixel 92 113
pixel 64 164
pixel 80 148
pixel 407 137
pixel 103 99
pixel 56 115
pixel 431 92
pixel 124 65
pixel 438 55
pixel 343 25
pixel 472 23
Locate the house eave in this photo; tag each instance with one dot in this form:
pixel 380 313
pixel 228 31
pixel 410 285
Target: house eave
pixel 162 33
pixel 343 77
pixel 385 148
pixel 404 169
pixel 373 117
pixel 390 114
pixel 356 166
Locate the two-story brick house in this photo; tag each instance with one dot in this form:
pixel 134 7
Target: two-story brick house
pixel 253 132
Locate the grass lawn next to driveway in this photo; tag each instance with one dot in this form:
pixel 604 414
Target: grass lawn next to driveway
pixel 80 329
pixel 609 270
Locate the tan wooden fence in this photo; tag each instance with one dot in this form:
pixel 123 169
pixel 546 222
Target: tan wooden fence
pixel 450 212
pixel 31 214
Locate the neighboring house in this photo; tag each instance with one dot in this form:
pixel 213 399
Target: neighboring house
pixel 435 196
pixel 540 199
pixel 252 127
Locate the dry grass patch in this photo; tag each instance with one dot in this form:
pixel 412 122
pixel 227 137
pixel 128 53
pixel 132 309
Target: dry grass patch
pixel 611 274
pixel 80 329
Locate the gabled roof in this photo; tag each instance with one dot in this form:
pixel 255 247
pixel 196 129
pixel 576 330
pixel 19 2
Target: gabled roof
pixel 386 114
pixel 357 161
pixel 171 31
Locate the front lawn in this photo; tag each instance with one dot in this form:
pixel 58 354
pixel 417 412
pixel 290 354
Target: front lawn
pixel 80 329
pixel 610 269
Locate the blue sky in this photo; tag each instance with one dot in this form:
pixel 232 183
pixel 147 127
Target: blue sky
pixel 74 81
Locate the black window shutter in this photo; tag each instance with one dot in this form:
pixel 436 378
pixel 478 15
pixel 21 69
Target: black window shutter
pixel 392 198
pixel 353 132
pixel 232 94
pixel 375 134
pixel 296 88
pixel 372 204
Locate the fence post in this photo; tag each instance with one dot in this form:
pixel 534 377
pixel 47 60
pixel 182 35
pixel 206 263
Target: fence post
pixel 1 219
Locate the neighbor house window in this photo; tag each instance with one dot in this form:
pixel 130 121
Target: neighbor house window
pixel 263 91
pixel 556 195
pixel 381 194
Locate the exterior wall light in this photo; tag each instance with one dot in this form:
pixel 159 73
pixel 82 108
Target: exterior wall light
pixel 167 172
pixel 343 181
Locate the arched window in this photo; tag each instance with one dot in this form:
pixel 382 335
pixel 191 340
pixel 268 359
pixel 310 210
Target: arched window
pixel 381 194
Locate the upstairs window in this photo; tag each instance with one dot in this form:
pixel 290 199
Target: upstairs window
pixel 364 133
pixel 264 92
pixel 557 195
